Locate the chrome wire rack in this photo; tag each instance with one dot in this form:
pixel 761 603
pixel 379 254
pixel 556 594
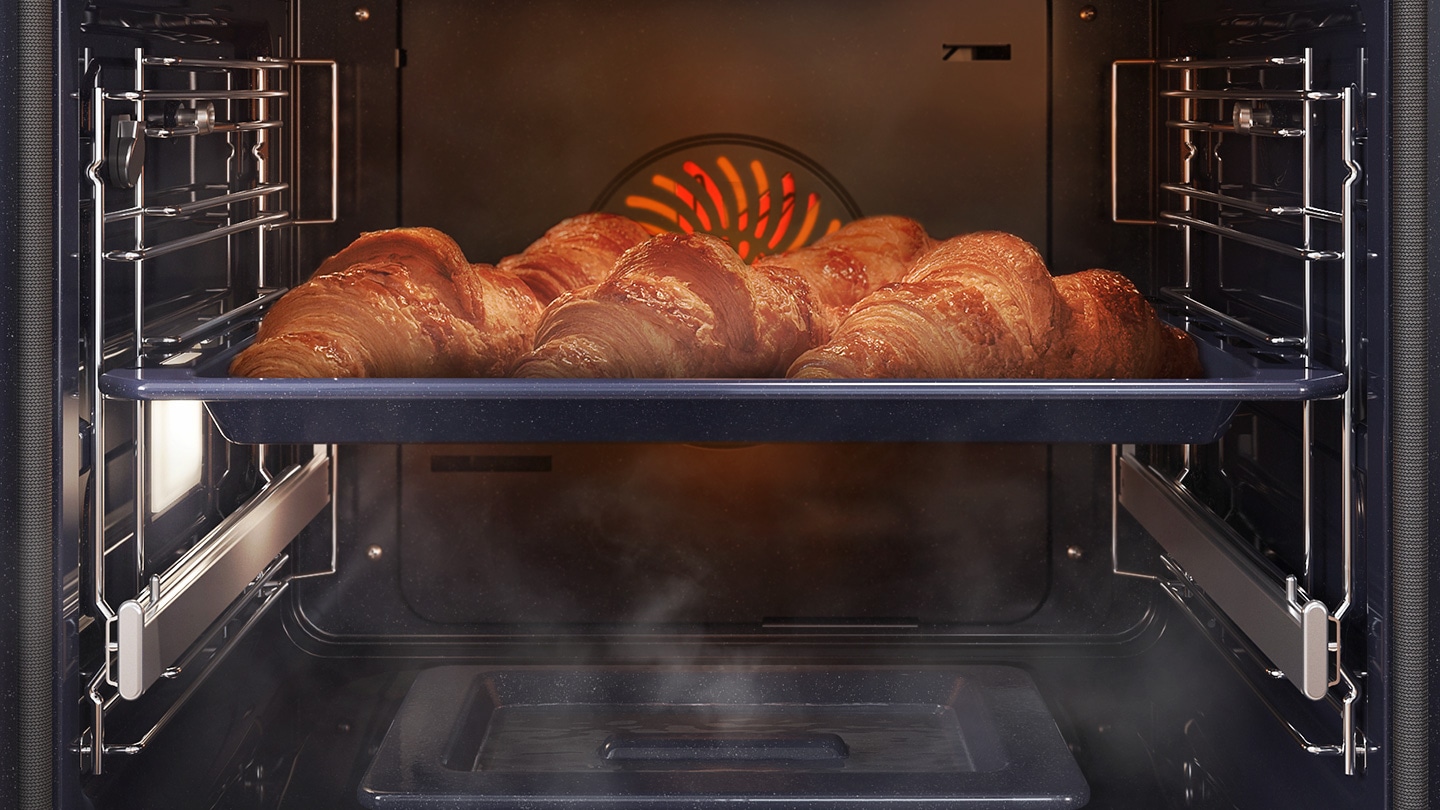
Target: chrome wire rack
pixel 193 167
pixel 1268 111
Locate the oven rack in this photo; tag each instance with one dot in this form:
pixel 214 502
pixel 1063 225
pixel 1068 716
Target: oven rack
pixel 170 595
pixel 338 411
pixel 1294 635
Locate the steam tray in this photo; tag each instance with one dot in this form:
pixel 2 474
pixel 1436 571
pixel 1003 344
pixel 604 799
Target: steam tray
pixel 973 737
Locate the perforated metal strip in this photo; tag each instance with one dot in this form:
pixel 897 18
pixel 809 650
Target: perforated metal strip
pixel 1410 407
pixel 35 379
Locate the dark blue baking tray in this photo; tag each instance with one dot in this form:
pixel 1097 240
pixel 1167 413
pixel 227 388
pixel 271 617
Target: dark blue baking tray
pixel 323 411
pixel 977 737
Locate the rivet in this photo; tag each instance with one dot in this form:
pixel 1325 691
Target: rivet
pixel 1074 552
pixel 362 14
pixel 1088 13
pixel 374 552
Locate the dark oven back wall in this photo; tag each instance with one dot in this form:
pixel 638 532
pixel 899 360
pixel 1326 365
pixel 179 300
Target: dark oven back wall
pixel 468 542
pixel 503 118
pixel 516 115
pixel 493 124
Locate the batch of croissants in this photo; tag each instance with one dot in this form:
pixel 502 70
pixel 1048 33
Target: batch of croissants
pixel 600 296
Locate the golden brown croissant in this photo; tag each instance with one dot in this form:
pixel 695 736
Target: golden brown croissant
pixel 677 305
pixel 845 266
pixel 406 303
pixel 688 306
pixel 397 303
pixel 984 305
pixel 578 252
pixel 1113 332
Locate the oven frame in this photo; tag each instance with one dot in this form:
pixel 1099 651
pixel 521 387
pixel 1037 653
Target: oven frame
pixel 1398 559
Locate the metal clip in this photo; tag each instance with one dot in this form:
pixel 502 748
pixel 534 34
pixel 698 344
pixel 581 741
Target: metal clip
pixel 125 155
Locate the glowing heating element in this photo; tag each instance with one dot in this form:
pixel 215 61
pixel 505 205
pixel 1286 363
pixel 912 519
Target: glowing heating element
pixel 177 451
pixel 760 197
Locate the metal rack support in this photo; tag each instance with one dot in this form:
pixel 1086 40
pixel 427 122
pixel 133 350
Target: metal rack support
pixel 240 566
pixel 1296 632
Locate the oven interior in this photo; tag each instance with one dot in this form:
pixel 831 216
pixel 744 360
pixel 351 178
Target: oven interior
pixel 446 623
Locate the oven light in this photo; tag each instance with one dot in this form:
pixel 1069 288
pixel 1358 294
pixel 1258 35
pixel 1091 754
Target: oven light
pixel 177 451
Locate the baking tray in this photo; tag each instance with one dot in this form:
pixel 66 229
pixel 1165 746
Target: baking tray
pixel 974 737
pixel 325 411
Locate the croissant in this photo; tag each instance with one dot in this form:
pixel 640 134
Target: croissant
pixel 577 252
pixel 844 266
pixel 677 305
pixel 1113 332
pixel 406 303
pixel 688 306
pixel 984 305
pixel 396 303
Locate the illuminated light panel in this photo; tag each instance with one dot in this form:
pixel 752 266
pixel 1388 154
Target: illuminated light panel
pixel 177 451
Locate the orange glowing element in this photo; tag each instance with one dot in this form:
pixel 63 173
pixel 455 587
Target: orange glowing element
pixel 812 213
pixel 657 207
pixel 699 203
pixel 703 178
pixel 683 194
pixel 742 205
pixel 787 208
pixel 762 197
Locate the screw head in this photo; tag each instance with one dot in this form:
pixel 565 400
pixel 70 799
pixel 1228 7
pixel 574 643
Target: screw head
pixel 1089 13
pixel 374 552
pixel 1075 552
pixel 362 14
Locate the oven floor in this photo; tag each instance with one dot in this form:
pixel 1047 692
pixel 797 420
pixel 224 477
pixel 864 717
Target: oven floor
pixel 1149 721
pixel 706 736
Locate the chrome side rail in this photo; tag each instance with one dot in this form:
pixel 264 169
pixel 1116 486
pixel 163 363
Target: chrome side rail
pixel 158 626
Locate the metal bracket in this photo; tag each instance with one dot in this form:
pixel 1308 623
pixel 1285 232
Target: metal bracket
pixel 159 625
pixel 1290 629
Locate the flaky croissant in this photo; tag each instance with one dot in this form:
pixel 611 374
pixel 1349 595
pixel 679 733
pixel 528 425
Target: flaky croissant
pixel 984 305
pixel 396 303
pixel 844 266
pixel 406 303
pixel 1113 332
pixel 577 252
pixel 688 306
pixel 677 305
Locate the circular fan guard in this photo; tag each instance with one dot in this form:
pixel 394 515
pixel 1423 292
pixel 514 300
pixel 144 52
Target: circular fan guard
pixel 759 196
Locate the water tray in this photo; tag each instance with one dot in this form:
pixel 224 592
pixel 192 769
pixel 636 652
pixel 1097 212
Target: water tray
pixel 977 737
pixel 324 411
